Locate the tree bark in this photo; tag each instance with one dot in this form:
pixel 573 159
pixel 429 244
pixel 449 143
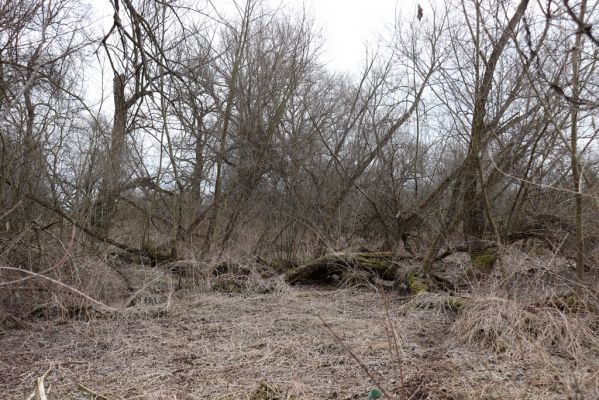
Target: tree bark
pixel 474 203
pixel 110 187
pixel 576 179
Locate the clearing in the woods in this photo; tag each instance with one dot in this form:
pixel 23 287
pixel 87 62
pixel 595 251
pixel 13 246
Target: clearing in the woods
pixel 267 340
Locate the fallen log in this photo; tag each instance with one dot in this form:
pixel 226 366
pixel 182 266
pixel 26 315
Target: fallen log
pixel 329 269
pixel 358 268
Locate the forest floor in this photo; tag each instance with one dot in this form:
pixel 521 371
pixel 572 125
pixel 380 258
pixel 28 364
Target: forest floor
pixel 300 343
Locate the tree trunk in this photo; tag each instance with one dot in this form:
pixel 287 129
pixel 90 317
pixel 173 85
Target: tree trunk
pixel 220 156
pixel 574 147
pixel 105 206
pixel 451 221
pixel 474 201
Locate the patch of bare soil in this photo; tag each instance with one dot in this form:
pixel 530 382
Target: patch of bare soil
pixel 215 345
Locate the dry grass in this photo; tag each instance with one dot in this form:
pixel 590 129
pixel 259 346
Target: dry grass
pixel 441 303
pixel 206 346
pixel 522 331
pixel 237 332
pixel 219 346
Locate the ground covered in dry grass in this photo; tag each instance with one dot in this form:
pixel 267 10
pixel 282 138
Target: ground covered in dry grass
pixel 205 344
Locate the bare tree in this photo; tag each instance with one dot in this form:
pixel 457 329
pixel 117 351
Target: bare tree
pixel 476 205
pixel 39 58
pixel 138 60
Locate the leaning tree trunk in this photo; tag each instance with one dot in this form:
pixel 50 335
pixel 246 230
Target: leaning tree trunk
pixel 475 201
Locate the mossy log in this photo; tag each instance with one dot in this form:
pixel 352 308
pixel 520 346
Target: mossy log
pixel 330 268
pixel 417 281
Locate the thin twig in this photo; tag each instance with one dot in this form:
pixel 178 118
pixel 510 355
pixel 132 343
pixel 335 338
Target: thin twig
pixel 92 392
pixel 33 62
pixel 57 265
pixel 64 285
pixel 353 355
pixel 541 185
pixel 394 346
pixel 131 299
pixel 10 211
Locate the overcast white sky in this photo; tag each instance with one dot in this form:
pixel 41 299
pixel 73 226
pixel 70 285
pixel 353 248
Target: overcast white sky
pixel 346 24
pixel 346 27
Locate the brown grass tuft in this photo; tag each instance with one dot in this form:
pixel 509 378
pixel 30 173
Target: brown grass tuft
pixel 521 330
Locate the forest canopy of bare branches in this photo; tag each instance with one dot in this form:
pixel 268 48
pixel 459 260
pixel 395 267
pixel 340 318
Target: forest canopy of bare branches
pixel 472 124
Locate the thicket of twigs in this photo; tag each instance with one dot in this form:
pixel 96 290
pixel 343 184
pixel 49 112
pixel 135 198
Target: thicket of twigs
pixel 224 156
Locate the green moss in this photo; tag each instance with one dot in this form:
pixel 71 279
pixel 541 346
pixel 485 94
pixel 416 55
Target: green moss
pixel 455 303
pixel 572 301
pixel 569 302
pixel 483 260
pixel 416 283
pixel 376 261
